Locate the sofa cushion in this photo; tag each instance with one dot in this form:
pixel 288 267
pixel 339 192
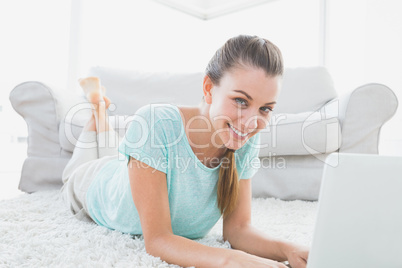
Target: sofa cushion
pixel 300 134
pixel 130 90
pixel 72 125
pixel 297 130
pixel 305 89
pixel 287 134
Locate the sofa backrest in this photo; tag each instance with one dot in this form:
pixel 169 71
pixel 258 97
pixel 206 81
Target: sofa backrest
pixel 130 90
pixel 303 89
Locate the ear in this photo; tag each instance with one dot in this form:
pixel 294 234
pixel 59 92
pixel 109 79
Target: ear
pixel 207 87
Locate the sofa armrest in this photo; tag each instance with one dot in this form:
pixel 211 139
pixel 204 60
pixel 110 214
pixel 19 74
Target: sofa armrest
pixel 42 108
pixel 36 103
pixel 362 113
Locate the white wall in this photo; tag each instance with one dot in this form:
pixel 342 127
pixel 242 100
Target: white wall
pixel 364 39
pixel 147 35
pixel 34 46
pixel 34 42
pixel 365 45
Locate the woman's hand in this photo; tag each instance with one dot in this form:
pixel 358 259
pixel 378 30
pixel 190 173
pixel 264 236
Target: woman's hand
pixel 240 259
pixel 297 255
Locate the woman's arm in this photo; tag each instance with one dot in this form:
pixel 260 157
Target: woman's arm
pixel 253 241
pixel 185 252
pixel 238 231
pixel 149 191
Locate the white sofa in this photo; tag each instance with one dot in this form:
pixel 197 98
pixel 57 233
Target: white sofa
pixel 310 121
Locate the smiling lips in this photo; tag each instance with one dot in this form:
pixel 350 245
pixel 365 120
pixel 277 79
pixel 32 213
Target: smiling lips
pixel 239 133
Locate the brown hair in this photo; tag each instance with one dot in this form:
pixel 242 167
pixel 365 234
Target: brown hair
pixel 239 51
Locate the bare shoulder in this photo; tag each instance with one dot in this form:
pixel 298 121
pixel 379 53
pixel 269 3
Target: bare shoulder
pixel 189 115
pixel 188 111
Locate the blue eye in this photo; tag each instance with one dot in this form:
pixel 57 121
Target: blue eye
pixel 266 109
pixel 241 101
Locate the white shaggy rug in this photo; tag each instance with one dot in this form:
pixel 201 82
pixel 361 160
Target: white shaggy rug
pixel 36 230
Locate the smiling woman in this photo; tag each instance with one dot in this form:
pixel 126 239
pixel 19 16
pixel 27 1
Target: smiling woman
pixel 143 193
pixel 245 115
pixel 255 65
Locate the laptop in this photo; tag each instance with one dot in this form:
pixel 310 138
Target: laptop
pixel 359 219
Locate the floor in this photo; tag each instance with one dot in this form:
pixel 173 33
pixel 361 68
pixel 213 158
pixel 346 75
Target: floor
pixel 12 157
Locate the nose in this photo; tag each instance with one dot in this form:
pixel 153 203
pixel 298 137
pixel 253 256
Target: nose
pixel 252 123
pixel 252 120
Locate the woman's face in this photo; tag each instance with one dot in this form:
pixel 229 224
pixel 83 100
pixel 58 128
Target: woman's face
pixel 241 105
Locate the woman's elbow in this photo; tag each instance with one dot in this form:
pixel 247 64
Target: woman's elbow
pixel 155 245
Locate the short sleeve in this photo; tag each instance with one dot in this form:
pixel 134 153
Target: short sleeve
pixel 247 160
pixel 145 139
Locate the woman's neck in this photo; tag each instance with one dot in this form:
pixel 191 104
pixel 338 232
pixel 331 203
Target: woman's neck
pixel 197 118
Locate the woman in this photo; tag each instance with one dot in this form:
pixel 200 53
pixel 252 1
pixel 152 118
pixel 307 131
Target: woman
pixel 185 167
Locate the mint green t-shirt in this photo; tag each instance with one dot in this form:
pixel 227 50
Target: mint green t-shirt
pixel 156 137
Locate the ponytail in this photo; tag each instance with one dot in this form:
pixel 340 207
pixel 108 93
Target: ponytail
pixel 228 183
pixel 238 51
